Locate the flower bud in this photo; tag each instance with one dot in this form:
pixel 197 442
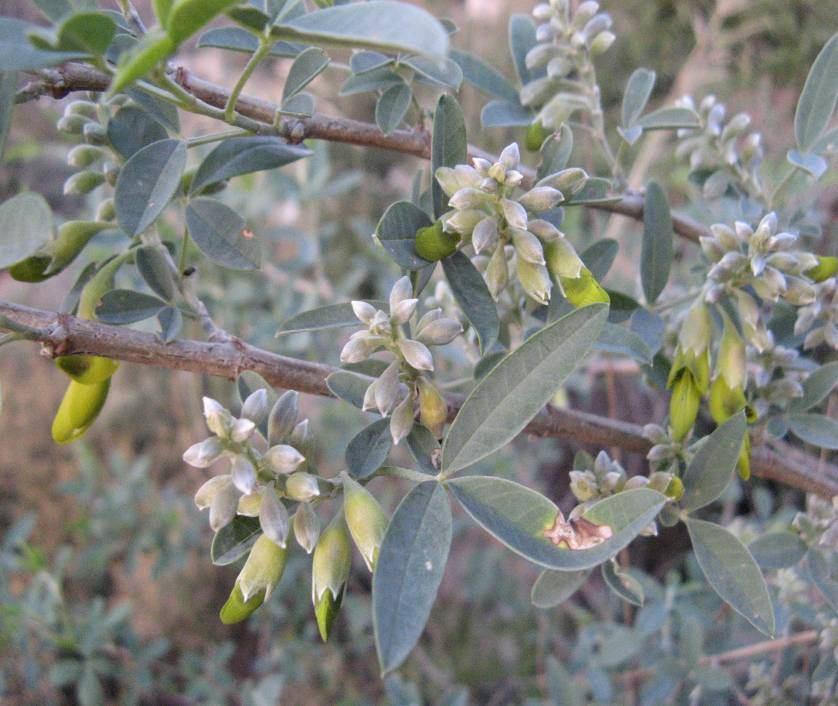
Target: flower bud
pixel 78 410
pixel 283 417
pixel 273 517
pixel 243 474
pixel 82 156
pixel 71 124
pixel 584 289
pixel 452 180
pixel 207 492
pixel 241 429
pixel 434 243
pixel 827 267
pixel 416 354
pixel 485 234
pixel 567 181
pixel 433 410
pixel 365 519
pixel 249 505
pixel 602 43
pixel 94 134
pixel 255 407
pixel 497 272
pixel 636 482
pixel 403 311
pixel 654 433
pixel 236 609
pixel 204 453
pixel 262 570
pixel 360 347
pixel 514 213
pixel 469 197
pixel 510 157
pixel 562 259
pixel 527 246
pixel 283 458
pixel 401 421
pixel 683 405
pixel 106 211
pixel 219 420
pixel 302 486
pixel 463 222
pixel 541 198
pixel 306 527
pixel 535 280
pixel 583 485
pixel 83 183
pixel 222 509
pixel 329 572
pixel 439 332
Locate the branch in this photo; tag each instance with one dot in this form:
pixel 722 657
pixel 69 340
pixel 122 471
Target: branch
pixel 70 77
pixel 62 334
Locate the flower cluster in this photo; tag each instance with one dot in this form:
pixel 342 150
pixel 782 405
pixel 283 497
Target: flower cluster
pixel 760 258
pixel 486 214
pixel 566 41
pixel 263 472
pixel 404 381
pixel 607 477
pixel 820 316
pixel 725 150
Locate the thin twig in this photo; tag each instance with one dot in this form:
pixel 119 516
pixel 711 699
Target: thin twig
pixel 228 358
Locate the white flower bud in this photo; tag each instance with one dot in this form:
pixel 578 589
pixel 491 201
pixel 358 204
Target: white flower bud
pixel 510 158
pixel 283 416
pixel 544 230
pixel 726 236
pixel 452 180
pixel 463 222
pixel 403 311
pixel 711 248
pixel 243 474
pixel 273 517
pixel 369 396
pixel 401 421
pixel 364 311
pixel 207 492
pixel 497 273
pixel 241 430
pixel 431 315
pixel 302 486
pixel 283 458
pixel 300 434
pixel 527 246
pixel 306 527
pixel 514 213
pixel 250 504
pixel 535 280
pixel 401 291
pixel 204 453
pixel 541 198
pixel 359 348
pixel 222 509
pixel 255 407
pixel 439 332
pixel 263 568
pixel 469 197
pixel 485 234
pixel 416 354
pixel 218 419
pixel 387 389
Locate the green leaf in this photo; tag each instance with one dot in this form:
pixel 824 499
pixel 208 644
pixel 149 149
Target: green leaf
pixel 521 36
pixel 471 293
pixel 25 227
pixel 503 113
pixel 188 16
pixel 599 257
pixel 392 106
pixel 153 49
pixel 324 317
pixel 378 80
pixel 424 448
pixel 89 688
pixel 553 588
pixel 815 429
pixel 88 32
pixel 237 39
pixel 518 387
pixel 656 253
pixel 446 73
pixel 669 119
pixel 154 267
pixel 712 467
pixel 397 232
pixel 812 163
pixel 368 449
pixel 623 584
pixel 300 104
pixel 234 540
pixel 17 52
pixel 596 190
pixel 732 573
pixel 817 101
pixel 131 129
pixel 519 517
pixel 243 155
pixel 816 387
pixel 348 386
pixel 823 570
pixel 222 235
pixel 171 323
pixel 146 184
pixel 54 10
pixel 449 145
pixel 410 566
pixel 621 341
pixel 124 306
pixel 380 24
pixel 8 88
pixel 777 550
pixel 638 90
pixel 308 65
pixel 484 76
pixel 164 113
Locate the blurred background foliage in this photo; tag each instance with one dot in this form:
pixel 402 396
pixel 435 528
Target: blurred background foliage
pixel 106 591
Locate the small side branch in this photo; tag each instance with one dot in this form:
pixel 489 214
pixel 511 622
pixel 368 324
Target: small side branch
pixel 228 358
